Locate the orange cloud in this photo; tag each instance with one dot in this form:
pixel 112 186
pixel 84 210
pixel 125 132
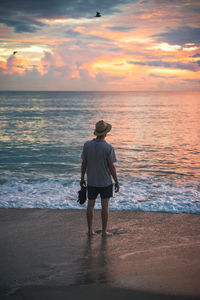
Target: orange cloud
pixel 123 50
pixel 79 29
pixel 13 64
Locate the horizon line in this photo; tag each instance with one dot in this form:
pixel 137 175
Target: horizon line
pixel 102 91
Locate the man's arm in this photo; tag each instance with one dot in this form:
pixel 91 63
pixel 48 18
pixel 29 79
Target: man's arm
pixel 113 172
pixel 83 170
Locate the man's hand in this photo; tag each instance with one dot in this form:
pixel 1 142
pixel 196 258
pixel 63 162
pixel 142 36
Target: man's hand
pixel 82 182
pixel 117 187
pixel 113 172
pixel 83 170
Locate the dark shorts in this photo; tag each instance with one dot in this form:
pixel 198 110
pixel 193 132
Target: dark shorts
pixel 105 192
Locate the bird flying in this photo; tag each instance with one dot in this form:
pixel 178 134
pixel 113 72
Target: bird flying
pixel 98 15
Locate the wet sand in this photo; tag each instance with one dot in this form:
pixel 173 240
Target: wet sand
pixel 46 254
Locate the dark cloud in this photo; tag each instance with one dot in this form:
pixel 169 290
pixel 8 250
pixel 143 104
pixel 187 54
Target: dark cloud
pixel 22 24
pixel 175 65
pixel 21 14
pixel 71 33
pixel 196 55
pixel 161 76
pixel 120 28
pixel 180 35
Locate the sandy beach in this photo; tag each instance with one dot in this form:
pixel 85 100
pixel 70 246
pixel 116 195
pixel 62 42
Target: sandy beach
pixel 46 254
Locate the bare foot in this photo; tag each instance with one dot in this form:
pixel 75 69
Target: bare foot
pixel 104 234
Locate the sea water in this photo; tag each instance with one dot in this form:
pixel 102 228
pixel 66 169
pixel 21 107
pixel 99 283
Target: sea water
pixel 156 138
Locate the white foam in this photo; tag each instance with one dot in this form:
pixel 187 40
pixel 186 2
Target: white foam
pixel 50 191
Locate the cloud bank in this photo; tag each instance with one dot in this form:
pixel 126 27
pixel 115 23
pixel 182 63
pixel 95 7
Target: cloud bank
pixel 22 15
pixel 135 45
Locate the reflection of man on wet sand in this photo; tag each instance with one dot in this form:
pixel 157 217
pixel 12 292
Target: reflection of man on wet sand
pixel 98 160
pixel 94 264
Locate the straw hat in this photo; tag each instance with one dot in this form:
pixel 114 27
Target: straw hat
pixel 102 128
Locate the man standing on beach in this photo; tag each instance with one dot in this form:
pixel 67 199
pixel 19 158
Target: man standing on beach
pixel 98 160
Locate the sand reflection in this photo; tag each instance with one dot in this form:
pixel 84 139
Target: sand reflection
pixel 94 262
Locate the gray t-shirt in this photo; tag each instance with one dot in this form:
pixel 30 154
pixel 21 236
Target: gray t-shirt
pixel 98 154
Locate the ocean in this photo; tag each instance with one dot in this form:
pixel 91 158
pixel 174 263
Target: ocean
pixel 156 138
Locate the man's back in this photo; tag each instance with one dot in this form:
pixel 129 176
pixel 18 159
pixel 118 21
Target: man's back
pixel 98 154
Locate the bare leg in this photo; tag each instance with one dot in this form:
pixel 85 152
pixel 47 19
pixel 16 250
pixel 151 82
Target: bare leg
pixel 104 215
pixel 90 213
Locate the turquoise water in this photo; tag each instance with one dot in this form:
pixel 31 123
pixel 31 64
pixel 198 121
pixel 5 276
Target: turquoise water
pixel 155 135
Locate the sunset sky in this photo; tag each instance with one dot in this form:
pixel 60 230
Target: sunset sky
pixel 135 45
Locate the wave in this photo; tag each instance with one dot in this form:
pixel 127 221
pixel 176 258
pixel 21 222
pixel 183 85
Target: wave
pixel 21 190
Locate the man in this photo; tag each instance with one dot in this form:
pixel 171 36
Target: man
pixel 98 160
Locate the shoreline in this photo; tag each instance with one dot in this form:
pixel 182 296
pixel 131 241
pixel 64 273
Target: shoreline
pixel 149 253
pixel 83 208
